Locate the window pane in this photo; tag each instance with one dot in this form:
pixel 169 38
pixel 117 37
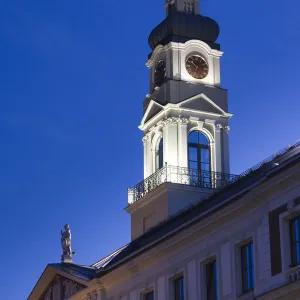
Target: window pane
pixel 160 154
pixel 295 240
pixel 203 139
pixel 193 137
pixel 179 289
pixel 205 167
pixel 198 150
pixel 193 165
pixel 193 153
pixel 149 296
pixel 211 281
pixel 205 156
pixel 247 266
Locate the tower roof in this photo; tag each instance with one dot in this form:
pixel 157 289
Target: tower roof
pixel 181 27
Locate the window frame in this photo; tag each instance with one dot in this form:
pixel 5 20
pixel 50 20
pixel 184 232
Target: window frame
pixel 176 279
pixel 250 237
pixel 159 153
pixel 146 293
pixel 203 277
pixel 241 265
pixel 198 146
pixel 171 278
pixel 294 263
pixel 285 237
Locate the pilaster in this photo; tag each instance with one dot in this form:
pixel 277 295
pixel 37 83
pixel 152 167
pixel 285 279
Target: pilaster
pixel 192 280
pixel 161 288
pixel 147 156
pixel 183 142
pixel 226 159
pixel 218 148
pixel 170 135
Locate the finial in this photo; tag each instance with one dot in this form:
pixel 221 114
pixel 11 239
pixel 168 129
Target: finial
pixel 66 245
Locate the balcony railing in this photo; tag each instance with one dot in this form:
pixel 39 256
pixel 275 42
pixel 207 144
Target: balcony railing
pixel 180 175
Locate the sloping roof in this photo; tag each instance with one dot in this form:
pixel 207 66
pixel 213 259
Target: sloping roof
pixel 82 272
pixel 250 178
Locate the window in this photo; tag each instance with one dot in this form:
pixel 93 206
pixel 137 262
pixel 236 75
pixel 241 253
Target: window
pixel 247 267
pixel 159 159
pixel 199 159
pixel 179 289
pixel 148 296
pixel 211 280
pixel 295 240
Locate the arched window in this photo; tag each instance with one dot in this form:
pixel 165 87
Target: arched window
pixel 159 159
pixel 198 151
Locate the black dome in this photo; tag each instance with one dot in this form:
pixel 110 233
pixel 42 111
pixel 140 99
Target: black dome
pixel 180 26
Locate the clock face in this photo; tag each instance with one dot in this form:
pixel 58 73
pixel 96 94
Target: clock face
pixel 197 66
pixel 160 73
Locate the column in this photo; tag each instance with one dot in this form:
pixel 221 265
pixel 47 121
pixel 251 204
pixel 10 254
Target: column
pixel 192 280
pixel 133 295
pixel 226 269
pixel 226 159
pixel 170 141
pixel 161 288
pixel 218 148
pixel 147 156
pixel 183 143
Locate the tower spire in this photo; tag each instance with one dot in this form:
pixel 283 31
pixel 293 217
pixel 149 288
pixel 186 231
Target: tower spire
pixel 187 6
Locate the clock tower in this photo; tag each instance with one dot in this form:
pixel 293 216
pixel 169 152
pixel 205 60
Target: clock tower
pixel 185 116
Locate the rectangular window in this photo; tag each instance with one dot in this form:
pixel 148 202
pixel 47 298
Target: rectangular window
pixel 149 296
pixel 179 289
pixel 247 267
pixel 211 280
pixel 295 240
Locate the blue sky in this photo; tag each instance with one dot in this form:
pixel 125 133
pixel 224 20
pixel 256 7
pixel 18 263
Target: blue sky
pixel 73 79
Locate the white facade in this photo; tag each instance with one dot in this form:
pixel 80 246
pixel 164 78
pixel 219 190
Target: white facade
pixel 175 121
pixel 178 227
pixel 175 55
pixel 186 250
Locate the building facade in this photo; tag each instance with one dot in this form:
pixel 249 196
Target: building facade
pixel 197 231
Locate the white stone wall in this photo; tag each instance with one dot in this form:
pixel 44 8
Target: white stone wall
pixel 218 235
pixel 176 54
pixel 175 131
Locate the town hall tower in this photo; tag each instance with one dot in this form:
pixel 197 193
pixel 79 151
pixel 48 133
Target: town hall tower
pixel 185 115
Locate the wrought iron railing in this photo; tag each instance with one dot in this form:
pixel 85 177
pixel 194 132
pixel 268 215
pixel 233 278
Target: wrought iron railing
pixel 180 175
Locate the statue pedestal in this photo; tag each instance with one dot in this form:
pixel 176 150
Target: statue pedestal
pixel 66 259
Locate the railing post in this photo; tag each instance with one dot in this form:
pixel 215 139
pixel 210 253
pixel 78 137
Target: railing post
pixel 166 167
pixel 194 177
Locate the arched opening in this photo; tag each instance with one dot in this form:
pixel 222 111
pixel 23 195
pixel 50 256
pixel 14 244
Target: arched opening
pixel 159 154
pixel 199 153
pixel 199 159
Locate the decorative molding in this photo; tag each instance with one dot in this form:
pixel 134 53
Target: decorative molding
pixel 146 138
pixel 62 288
pixel 195 119
pixel 218 127
pixel 70 288
pixel 170 120
pixel 227 129
pixel 92 296
pixel 211 122
pixel 183 121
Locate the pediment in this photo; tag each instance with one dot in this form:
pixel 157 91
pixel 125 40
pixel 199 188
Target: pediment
pixel 61 288
pixel 153 109
pixel 60 282
pixel 202 103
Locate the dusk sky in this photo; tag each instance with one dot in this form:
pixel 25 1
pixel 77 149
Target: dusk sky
pixel 73 79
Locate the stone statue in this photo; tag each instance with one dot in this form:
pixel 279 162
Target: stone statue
pixel 66 245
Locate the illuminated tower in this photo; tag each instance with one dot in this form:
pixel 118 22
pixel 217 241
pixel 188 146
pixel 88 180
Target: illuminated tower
pixel 185 120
